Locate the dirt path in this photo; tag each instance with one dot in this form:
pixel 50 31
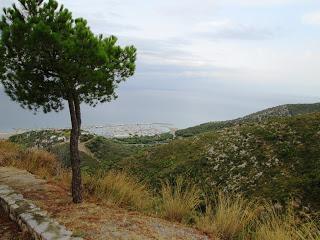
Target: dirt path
pixel 83 148
pixel 91 220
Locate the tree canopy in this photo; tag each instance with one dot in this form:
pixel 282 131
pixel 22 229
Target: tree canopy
pixel 47 57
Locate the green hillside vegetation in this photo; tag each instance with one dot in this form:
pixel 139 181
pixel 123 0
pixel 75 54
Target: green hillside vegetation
pixel 156 139
pixel 229 217
pixel 103 155
pixel 56 141
pixel 110 151
pixel 62 151
pixel 279 111
pixel 274 159
pixel 296 109
pixel 41 138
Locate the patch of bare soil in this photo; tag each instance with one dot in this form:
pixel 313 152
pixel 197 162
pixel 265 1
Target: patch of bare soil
pixel 91 220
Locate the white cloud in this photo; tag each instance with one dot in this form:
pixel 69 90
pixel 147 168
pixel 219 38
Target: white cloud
pixel 312 18
pixel 228 29
pixel 203 48
pixel 5 3
pixel 265 2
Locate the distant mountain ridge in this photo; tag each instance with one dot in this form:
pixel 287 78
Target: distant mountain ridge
pixel 286 110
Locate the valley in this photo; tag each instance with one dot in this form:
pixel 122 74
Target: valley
pixel 267 160
pixel 272 154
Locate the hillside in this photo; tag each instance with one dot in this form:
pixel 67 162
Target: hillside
pixel 96 152
pixel 275 159
pixel 279 111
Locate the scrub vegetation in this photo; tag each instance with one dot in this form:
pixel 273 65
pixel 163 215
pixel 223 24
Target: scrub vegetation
pixel 230 216
pixel 255 180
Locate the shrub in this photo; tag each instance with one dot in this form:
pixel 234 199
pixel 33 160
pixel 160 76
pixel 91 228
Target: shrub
pixel 179 201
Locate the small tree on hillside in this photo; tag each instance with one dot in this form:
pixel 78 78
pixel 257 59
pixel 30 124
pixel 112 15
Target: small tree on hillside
pixel 49 59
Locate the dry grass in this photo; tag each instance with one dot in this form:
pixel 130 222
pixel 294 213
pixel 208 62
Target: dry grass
pixel 179 201
pixel 238 218
pixel 64 178
pixel 230 218
pixel 39 162
pixel 275 225
pixel 115 187
pixel 8 151
pixel 119 188
pixel 309 231
pixel 36 161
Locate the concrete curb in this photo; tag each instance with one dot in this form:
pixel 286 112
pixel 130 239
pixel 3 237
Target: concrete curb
pixel 31 218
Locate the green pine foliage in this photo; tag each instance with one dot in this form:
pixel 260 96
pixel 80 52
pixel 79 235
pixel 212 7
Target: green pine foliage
pixel 48 57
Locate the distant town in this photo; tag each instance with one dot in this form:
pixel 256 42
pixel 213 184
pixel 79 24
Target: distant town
pixel 112 130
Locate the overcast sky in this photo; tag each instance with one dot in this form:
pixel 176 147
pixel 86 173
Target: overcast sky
pixel 199 61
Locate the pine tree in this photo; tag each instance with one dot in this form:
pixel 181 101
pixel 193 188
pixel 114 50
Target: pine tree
pixel 48 59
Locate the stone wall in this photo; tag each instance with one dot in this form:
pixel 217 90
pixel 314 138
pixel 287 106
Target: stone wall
pixel 31 218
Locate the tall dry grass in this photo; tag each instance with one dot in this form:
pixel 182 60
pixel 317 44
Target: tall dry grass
pixel 116 187
pixel 309 231
pixel 8 151
pixel 39 162
pixel 179 201
pixel 35 161
pixel 230 217
pixel 119 188
pixel 275 225
pixel 64 178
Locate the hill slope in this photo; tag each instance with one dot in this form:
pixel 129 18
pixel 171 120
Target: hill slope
pixel 279 111
pixel 259 155
pixel 274 159
pixel 96 152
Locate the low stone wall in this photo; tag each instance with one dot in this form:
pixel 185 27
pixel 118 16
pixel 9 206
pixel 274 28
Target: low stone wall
pixel 31 218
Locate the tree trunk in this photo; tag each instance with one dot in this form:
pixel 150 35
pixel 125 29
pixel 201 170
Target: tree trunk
pixel 78 113
pixel 76 186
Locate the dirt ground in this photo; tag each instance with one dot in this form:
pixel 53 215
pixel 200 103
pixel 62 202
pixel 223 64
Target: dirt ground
pixel 91 220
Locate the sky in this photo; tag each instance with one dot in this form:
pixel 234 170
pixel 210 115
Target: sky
pixel 198 61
